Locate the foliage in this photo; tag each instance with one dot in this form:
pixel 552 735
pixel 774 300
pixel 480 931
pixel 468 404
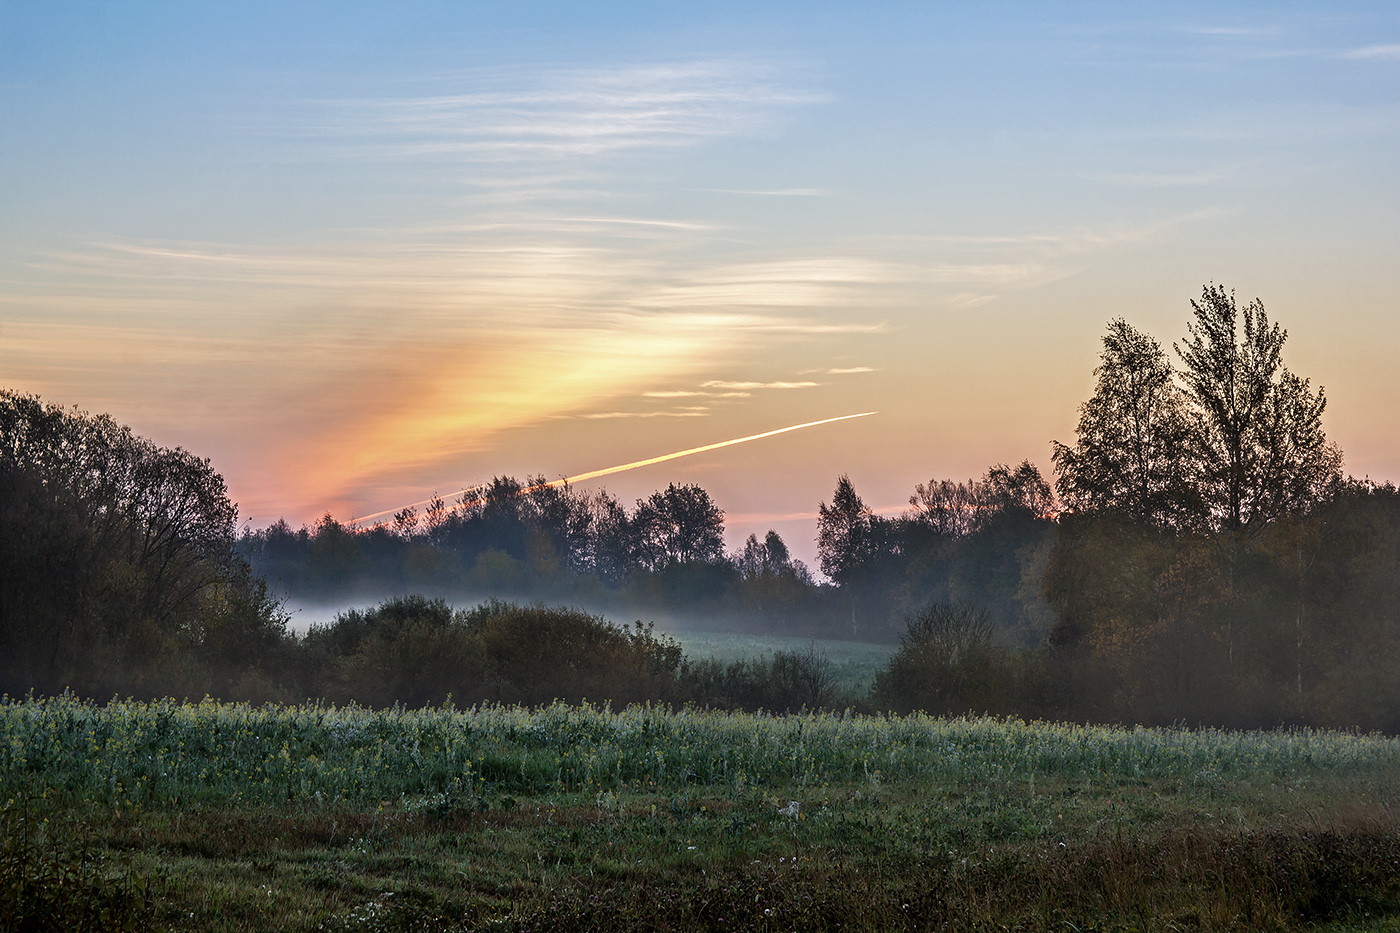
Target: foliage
pixel 113 551
pixel 52 882
pixel 1238 445
pixel 844 533
pixel 680 525
pixel 946 663
pixel 414 650
pixel 1129 444
pixel 1259 437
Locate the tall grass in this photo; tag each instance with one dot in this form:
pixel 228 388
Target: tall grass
pixel 168 754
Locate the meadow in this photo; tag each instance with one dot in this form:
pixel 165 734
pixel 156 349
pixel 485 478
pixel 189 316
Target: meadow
pixel 854 664
pixel 216 816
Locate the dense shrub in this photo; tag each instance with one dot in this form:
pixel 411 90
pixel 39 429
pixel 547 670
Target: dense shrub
pixel 790 681
pixel 947 663
pixel 416 651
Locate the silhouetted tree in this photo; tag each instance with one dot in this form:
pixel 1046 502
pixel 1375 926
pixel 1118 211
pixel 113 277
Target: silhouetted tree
pixel 947 508
pixel 843 533
pixel 111 548
pixel 1132 444
pixel 1259 441
pixel 680 525
pixel 611 547
pixel 1021 488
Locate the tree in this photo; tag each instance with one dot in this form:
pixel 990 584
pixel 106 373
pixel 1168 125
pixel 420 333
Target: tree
pixel 1258 441
pixel 1131 437
pixel 947 508
pixel 681 525
pixel 612 554
pixel 950 509
pixel 768 558
pixel 1021 489
pixel 112 547
pixel 843 533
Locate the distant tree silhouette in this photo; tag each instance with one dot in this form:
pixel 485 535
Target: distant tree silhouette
pixel 843 533
pixel 1259 440
pixel 1239 447
pixel 680 525
pixel 1133 442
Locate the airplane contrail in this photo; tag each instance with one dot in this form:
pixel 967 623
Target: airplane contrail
pixel 635 464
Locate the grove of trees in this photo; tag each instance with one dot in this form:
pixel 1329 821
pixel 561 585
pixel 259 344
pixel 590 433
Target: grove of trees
pixel 116 556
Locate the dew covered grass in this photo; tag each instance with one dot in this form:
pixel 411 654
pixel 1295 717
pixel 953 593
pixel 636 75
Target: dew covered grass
pixel 314 817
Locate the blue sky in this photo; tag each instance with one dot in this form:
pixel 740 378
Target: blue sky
pixel 358 254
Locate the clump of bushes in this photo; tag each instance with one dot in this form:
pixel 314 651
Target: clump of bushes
pixel 788 682
pixel 949 663
pixel 416 651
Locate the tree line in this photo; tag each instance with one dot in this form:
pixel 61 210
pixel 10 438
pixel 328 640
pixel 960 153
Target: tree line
pixel 540 540
pixel 1197 556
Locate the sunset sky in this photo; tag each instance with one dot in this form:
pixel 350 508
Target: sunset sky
pixel 360 253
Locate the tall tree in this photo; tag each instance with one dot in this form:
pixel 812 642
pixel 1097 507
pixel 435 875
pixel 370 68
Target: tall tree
pixel 1259 441
pixel 1019 489
pixel 848 535
pixel 680 525
pixel 947 508
pixel 1128 456
pixel 843 533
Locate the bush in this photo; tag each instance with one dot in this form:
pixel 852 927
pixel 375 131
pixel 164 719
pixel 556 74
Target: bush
pixel 947 664
pixel 791 682
pixel 416 651
pixel 535 655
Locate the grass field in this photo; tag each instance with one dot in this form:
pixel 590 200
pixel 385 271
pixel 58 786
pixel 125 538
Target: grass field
pixel 224 817
pixel 853 663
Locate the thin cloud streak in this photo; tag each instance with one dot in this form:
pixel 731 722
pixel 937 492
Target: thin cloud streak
pixel 1389 52
pixel 724 384
pixel 553 114
pixel 605 415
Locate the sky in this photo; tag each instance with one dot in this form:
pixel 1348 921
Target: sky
pixel 358 254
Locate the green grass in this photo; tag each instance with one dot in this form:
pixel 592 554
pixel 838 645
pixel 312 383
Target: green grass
pixel 854 664
pixel 309 818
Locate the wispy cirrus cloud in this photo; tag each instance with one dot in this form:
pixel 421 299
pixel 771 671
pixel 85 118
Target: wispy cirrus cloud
pixel 1386 52
pixel 546 114
pixel 677 413
pixel 818 281
pixel 776 192
pixel 740 384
